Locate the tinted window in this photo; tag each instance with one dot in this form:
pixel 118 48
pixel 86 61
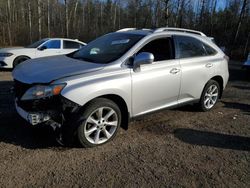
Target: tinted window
pixel 70 45
pixel 107 48
pixel 190 47
pixel 160 48
pixel 53 44
pixel 209 50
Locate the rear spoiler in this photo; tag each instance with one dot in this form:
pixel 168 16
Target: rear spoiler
pixel 212 39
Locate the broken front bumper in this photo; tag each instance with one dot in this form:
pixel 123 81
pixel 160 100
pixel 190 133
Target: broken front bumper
pixel 51 111
pixel 32 118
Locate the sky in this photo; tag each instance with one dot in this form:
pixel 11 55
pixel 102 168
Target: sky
pixel 221 4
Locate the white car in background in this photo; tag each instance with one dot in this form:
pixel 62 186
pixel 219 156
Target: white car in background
pixel 11 57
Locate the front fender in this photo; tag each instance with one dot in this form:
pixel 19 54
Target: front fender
pixel 82 91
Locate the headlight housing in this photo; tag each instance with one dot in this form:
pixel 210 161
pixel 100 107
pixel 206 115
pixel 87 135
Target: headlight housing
pixel 5 54
pixel 42 91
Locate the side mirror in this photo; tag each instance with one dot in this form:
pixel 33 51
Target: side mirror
pixel 143 58
pixel 42 48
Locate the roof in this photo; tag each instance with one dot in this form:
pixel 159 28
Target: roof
pixel 56 38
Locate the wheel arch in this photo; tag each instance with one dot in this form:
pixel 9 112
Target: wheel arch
pixel 121 103
pixel 219 79
pixel 23 56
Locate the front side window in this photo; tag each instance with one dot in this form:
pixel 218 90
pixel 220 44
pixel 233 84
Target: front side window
pixel 190 47
pixel 53 44
pixel 161 49
pixel 107 48
pixel 70 44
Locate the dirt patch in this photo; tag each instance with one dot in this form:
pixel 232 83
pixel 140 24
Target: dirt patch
pixel 174 148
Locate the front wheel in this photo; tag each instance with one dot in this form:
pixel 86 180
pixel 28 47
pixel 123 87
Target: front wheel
pixel 99 123
pixel 210 96
pixel 19 60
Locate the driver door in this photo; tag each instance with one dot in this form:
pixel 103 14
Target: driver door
pixel 156 86
pixel 49 48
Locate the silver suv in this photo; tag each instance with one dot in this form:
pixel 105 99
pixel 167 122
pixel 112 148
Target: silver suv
pixel 90 93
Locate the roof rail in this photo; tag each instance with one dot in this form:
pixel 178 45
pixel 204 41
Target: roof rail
pixel 126 29
pixel 180 30
pixel 131 29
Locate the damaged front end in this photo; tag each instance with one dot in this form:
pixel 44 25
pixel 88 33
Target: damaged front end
pixel 50 110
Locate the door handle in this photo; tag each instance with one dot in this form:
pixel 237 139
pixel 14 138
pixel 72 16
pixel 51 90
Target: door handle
pixel 175 71
pixel 209 65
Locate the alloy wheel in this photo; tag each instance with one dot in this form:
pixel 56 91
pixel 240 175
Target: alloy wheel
pixel 211 96
pixel 101 125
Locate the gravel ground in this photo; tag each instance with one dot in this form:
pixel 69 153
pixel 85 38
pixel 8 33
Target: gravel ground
pixel 173 148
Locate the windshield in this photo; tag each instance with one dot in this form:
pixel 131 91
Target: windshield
pixel 37 43
pixel 107 48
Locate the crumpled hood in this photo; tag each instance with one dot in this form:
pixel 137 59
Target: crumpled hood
pixel 48 69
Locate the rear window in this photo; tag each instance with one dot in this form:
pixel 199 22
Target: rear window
pixel 70 45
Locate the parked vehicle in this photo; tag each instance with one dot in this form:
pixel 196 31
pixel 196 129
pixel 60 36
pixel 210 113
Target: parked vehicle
pixel 90 93
pixel 11 57
pixel 247 63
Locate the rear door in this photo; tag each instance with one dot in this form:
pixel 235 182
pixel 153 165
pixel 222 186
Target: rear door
pixel 197 63
pixel 70 46
pixel 156 85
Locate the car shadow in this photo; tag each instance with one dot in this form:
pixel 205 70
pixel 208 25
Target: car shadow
pixel 15 130
pixel 6 69
pixel 237 73
pixel 242 87
pixel 245 108
pixel 187 108
pixel 211 139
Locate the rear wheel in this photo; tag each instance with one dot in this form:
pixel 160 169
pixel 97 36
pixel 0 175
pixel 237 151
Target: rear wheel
pixel 19 60
pixel 210 95
pixel 98 123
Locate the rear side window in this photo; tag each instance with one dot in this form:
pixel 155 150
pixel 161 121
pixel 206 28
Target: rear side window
pixel 70 45
pixel 190 47
pixel 53 44
pixel 161 49
pixel 209 50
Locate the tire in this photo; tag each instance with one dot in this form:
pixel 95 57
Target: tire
pixel 97 124
pixel 210 96
pixel 19 60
